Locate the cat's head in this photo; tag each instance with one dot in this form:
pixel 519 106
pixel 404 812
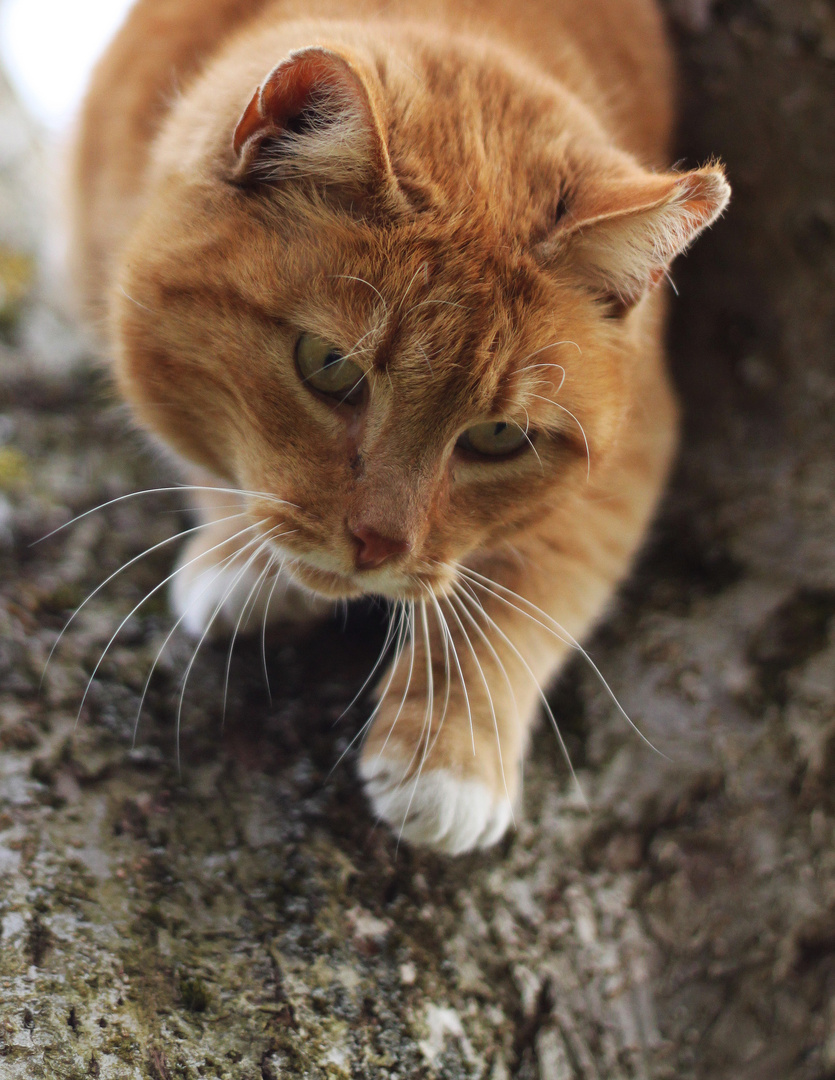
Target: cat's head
pixel 411 301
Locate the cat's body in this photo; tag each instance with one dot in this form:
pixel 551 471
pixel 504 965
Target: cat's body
pixel 398 271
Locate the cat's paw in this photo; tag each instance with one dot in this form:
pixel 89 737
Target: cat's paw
pixel 435 808
pixel 212 600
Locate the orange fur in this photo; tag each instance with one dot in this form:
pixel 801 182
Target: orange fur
pixel 462 202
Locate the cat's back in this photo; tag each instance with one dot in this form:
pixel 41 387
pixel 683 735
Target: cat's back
pixel 613 51
pixel 164 43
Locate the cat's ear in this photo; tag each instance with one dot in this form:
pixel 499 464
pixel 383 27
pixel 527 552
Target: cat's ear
pixel 622 236
pixel 313 116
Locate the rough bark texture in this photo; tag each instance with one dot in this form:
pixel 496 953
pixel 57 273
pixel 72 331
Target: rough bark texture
pixel 242 917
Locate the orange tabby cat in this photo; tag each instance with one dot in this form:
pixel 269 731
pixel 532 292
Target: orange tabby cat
pixel 390 278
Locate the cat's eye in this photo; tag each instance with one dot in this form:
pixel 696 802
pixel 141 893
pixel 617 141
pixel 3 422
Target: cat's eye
pixel 325 369
pixel 495 439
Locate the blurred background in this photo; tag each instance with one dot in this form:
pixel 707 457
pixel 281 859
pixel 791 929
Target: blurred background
pixel 48 49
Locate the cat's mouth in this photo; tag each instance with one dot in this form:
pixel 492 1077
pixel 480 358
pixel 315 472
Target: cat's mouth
pixel 388 583
pixel 323 572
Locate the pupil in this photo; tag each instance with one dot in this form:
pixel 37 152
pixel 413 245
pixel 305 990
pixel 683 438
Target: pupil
pixel 331 359
pixel 499 428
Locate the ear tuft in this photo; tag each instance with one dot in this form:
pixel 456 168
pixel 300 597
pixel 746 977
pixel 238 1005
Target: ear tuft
pixel 626 239
pixel 312 116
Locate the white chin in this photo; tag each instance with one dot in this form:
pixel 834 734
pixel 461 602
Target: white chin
pixel 220 600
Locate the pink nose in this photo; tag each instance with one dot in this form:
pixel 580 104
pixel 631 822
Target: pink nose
pixel 373 549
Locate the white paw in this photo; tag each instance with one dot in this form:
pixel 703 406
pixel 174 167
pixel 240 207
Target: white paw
pixel 436 809
pixel 216 600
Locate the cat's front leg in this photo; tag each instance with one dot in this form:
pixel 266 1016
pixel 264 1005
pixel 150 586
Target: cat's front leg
pixel 443 757
pixel 229 579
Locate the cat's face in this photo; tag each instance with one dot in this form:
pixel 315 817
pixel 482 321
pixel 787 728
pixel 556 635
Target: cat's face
pixel 442 340
pixel 434 382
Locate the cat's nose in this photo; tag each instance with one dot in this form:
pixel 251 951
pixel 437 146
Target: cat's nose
pixel 373 549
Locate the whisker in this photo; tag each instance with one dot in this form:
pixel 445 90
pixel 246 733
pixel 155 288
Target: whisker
pixel 528 439
pixel 489 695
pixel 164 491
pixel 411 625
pixel 409 608
pixel 423 266
pixel 347 356
pixel 466 637
pixel 426 728
pixel 445 303
pixel 445 625
pixel 264 542
pixel 356 348
pixel 545 348
pixel 489 645
pixel 533 367
pixel 540 692
pixel 426 358
pixel 370 676
pixel 133 300
pixel 125 566
pixel 179 510
pixel 404 631
pixel 276 580
pixel 579 425
pixel 446 638
pixel 447 673
pixel 218 569
pixel 251 598
pixel 362 377
pixel 398 653
pixel 430 690
pixel 144 599
pixel 362 281
pixel 485 583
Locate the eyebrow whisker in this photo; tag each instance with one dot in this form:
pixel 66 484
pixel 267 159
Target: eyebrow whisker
pixel 362 281
pixel 579 425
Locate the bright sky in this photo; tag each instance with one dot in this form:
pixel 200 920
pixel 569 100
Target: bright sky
pixel 49 48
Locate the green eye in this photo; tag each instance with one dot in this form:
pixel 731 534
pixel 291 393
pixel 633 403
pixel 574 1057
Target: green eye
pixel 326 370
pixel 496 439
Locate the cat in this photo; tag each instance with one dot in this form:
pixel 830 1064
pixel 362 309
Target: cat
pixel 389 282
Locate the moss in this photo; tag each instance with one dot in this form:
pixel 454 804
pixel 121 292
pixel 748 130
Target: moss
pixel 194 994
pixel 123 1046
pixel 14 470
pixel 64 597
pixel 73 1021
pixel 156 606
pixel 68 893
pixel 17 274
pixel 42 770
pixel 158 1064
pixel 155 916
pixel 40 904
pixel 39 940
